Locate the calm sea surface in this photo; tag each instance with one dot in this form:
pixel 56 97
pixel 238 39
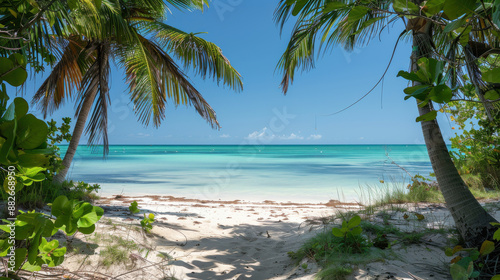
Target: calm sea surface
pixel 281 173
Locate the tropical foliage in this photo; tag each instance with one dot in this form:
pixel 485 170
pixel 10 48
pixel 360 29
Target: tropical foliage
pixel 133 34
pixel 450 39
pixel 91 34
pixel 27 149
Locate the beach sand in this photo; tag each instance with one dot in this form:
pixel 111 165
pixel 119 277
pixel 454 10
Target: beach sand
pixel 194 239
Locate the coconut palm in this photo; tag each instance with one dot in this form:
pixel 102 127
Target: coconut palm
pixel 133 34
pixel 321 24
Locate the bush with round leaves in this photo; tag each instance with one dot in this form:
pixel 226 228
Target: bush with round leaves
pixel 31 230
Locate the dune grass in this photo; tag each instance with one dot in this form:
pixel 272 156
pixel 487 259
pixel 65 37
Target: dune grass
pixel 397 192
pixel 382 201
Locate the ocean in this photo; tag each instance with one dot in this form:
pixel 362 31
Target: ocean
pixel 298 173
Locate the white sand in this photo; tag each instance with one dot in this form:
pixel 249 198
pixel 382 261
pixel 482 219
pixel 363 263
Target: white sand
pixel 239 240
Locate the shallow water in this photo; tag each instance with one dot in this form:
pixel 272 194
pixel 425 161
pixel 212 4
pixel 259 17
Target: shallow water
pixel 282 173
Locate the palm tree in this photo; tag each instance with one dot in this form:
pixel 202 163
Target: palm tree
pixel 130 32
pixel 352 23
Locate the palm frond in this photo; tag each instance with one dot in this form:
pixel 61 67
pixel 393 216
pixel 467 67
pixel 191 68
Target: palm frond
pixel 204 57
pixel 153 76
pixel 95 90
pixel 299 54
pixel 64 78
pixel 315 23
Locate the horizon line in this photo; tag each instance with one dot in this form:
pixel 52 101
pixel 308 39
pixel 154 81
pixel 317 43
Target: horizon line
pixel 218 144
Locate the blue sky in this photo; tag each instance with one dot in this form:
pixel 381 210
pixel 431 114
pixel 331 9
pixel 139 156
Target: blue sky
pixel 245 31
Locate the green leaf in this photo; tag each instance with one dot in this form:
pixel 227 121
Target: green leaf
pixel 31 132
pixel 299 4
pixel 492 75
pixel 88 220
pixel 31 267
pixel 31 172
pixel 18 59
pixel 82 209
pixel 98 211
pixel 354 222
pixel 410 76
pixel 32 160
pixel 496 235
pixel 20 256
pixel 16 77
pixel 441 94
pixel 33 248
pixel 419 92
pixel 474 255
pixel 448 252
pixel 332 6
pixel 87 230
pixel 10 113
pixel 496 13
pixel 454 25
pixel 61 206
pixel 356 231
pixel 21 107
pixel 487 247
pixel 453 9
pixel 133 207
pixel 465 262
pixel 357 13
pixel 458 272
pixel 405 6
pixel 47 247
pixel 5 65
pixel 7 130
pixel 427 117
pixel 496 277
pixel 18 186
pixel 337 232
pixel 492 95
pixel 434 7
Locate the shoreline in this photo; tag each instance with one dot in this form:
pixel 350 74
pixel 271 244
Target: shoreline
pixel 195 202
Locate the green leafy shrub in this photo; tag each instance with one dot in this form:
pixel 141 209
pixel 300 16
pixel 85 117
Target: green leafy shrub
pixel 31 230
pixel 350 233
pixel 348 239
pixel 476 145
pixel 147 222
pixel 22 144
pixel 133 207
pixel 469 263
pixel 432 85
pixel 55 136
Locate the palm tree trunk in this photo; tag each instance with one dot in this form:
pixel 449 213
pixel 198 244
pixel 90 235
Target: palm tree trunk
pixel 75 139
pixel 471 220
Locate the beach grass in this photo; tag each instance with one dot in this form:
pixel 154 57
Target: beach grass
pixel 397 193
pixel 381 203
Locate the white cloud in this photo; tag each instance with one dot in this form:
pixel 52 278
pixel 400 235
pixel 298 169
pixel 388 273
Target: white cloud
pixel 263 134
pixel 140 134
pixel 361 138
pixel 225 136
pixel 292 136
pixel 314 137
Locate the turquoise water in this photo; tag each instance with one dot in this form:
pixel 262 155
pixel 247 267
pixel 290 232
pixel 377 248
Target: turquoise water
pixel 280 173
